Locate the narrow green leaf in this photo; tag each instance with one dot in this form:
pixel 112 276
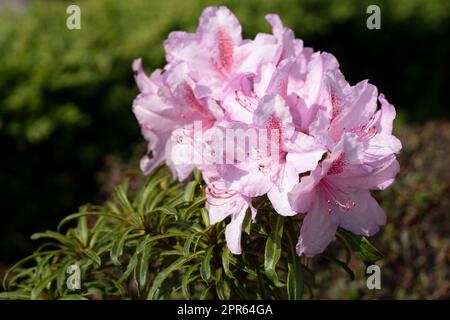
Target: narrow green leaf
pixel 205 293
pixel 162 275
pixel 62 275
pixel 120 194
pixel 193 208
pixel 187 245
pixel 143 267
pixel 190 190
pixel 340 264
pixel 21 262
pixel 157 199
pixel 164 209
pixel 205 269
pixel 41 286
pixel 150 239
pixel 247 223
pixel 130 267
pixel 84 214
pixel 117 247
pixel 14 295
pixel 91 254
pixel 56 236
pixel 226 262
pixel 198 175
pixel 73 297
pixel 272 251
pixel 187 279
pixel 295 282
pixel 222 286
pixel 361 247
pixel 83 231
pixel 205 216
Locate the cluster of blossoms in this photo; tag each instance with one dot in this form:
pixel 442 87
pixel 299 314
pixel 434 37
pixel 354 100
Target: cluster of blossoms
pixel 332 142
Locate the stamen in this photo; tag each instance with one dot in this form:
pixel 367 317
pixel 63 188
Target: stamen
pixel 219 194
pixel 332 191
pixel 183 136
pixel 244 102
pixel 366 131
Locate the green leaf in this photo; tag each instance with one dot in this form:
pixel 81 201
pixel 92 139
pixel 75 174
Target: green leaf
pixel 272 251
pixel 73 297
pixel 193 208
pixel 84 214
pixel 361 247
pixel 341 264
pixel 43 262
pixel 157 200
pixel 145 196
pixel 56 236
pixel 205 217
pixel 62 275
pixel 222 286
pixel 190 191
pixel 149 239
pixel 130 267
pixel 205 269
pixel 164 209
pixel 187 245
pixel 117 247
pixel 226 253
pixel 247 223
pixel 187 279
pixel 162 275
pixel 143 267
pixel 14 295
pixel 120 194
pixel 295 281
pixel 83 231
pixel 41 286
pixel 91 254
pixel 198 175
pixel 205 293
pixel 21 262
pixel 242 266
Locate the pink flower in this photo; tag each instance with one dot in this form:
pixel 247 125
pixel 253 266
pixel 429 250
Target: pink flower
pixel 168 102
pixel 216 52
pixel 221 203
pixel 266 169
pixel 336 193
pixel 361 157
pixel 310 142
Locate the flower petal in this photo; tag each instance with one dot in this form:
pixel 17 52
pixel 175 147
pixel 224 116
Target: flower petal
pixel 278 194
pixel 365 217
pixel 273 113
pixel 317 231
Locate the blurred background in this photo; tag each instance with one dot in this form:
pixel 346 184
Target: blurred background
pixel 67 133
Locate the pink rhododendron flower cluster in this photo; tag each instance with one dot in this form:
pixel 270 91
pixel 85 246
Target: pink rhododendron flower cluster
pixel 329 143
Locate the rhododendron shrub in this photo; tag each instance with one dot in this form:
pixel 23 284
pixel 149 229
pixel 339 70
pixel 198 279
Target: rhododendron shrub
pixel 333 142
pixel 260 154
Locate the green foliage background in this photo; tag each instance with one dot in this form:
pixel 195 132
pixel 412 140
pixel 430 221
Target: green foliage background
pixel 65 99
